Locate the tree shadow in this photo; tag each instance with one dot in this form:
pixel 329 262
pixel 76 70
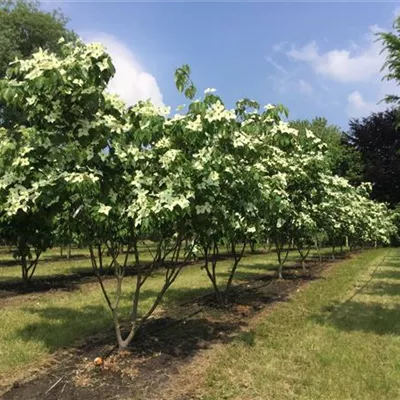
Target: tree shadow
pixel 59 326
pixel 388 274
pixel 248 271
pixel 46 259
pixel 9 263
pixel 69 282
pixel 359 316
pixel 383 289
pixel 72 257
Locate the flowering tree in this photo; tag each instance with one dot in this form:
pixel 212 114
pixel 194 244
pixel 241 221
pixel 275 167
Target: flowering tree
pixel 40 158
pixel 191 182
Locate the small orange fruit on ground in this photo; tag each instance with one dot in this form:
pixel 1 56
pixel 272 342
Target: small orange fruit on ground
pixel 98 361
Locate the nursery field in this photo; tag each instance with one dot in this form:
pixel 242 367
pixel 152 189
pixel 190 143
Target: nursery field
pixel 331 333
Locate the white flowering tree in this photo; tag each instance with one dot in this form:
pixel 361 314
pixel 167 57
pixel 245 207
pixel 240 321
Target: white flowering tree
pixel 41 157
pixel 84 151
pixel 196 181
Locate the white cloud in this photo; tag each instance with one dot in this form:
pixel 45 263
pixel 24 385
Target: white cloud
pixel 358 107
pixel 305 87
pixel 285 81
pixel 275 64
pixel 357 64
pixel 308 53
pixel 131 82
pixel 280 47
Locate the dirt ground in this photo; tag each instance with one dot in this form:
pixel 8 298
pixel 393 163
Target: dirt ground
pixel 171 352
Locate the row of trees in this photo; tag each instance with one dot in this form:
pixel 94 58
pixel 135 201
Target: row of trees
pixel 81 162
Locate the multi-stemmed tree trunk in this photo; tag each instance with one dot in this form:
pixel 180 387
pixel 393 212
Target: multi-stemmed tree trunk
pixel 136 319
pixel 282 257
pixel 303 255
pixel 28 267
pixel 211 253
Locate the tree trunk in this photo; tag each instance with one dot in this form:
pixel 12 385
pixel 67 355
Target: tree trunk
pixel 237 258
pixel 69 251
pixel 318 250
pixel 136 251
pixel 24 268
pixel 280 263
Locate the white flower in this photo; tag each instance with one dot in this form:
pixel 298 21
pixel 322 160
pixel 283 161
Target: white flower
pixel 164 111
pixel 103 209
pixel 269 107
pixel 210 90
pixel 195 125
pixel 201 209
pixel 309 134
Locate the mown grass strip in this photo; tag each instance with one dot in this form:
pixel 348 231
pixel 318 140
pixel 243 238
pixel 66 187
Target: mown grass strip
pixel 338 338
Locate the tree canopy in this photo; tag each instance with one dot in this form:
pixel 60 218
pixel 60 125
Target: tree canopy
pixel 344 159
pixel 25 28
pixel 391 45
pixel 377 139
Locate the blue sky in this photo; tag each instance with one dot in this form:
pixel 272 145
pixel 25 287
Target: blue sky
pixel 318 59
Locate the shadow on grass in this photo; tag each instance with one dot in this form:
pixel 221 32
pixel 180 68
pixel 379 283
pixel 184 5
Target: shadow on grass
pixel 247 338
pixel 388 274
pixel 67 282
pixel 46 259
pixel 360 316
pixel 383 289
pixel 74 276
pixel 61 326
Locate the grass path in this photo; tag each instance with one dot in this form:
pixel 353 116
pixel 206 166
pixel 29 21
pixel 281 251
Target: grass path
pixel 338 338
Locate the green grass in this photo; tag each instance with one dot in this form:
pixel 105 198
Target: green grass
pixel 339 338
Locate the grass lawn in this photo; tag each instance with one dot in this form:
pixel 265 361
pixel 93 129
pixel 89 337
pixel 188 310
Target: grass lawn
pixel 338 338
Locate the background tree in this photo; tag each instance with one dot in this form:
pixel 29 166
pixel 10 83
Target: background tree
pixel 24 29
pixel 391 45
pixel 378 141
